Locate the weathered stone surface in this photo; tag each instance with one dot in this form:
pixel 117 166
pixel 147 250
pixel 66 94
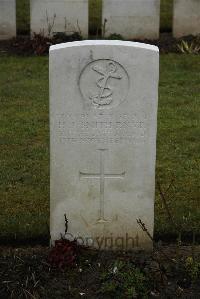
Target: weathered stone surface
pixel 186 18
pixel 103 111
pixel 7 19
pixel 132 18
pixel 50 16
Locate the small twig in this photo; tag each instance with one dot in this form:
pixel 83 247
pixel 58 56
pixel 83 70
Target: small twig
pixel 79 29
pixel 26 292
pixel 49 25
pixel 104 28
pixel 162 195
pixel 66 223
pixel 143 227
pixel 169 187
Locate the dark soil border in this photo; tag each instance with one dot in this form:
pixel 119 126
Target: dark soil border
pixel 28 273
pixel 39 45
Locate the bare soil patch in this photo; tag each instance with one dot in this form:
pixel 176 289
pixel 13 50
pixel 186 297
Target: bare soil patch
pixel 27 273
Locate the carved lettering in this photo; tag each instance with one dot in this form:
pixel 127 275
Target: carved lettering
pixel 82 128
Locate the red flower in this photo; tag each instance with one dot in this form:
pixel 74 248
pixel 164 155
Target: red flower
pixel 63 254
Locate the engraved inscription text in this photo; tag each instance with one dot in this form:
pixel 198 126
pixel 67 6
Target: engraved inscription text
pixel 101 129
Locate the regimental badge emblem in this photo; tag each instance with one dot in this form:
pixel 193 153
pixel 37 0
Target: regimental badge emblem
pixel 104 83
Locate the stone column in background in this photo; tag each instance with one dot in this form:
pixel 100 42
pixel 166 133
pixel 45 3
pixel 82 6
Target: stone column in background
pixel 7 19
pixel 59 16
pixel 186 18
pixel 132 19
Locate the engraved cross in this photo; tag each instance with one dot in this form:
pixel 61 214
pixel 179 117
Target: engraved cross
pixel 102 176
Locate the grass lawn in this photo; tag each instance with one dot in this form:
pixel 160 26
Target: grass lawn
pixel 23 15
pixel 24 177
pixel 24 144
pixel 178 144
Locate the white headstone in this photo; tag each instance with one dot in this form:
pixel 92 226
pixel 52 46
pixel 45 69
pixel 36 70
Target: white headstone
pixel 103 111
pixel 7 19
pixel 132 19
pixel 52 16
pixel 186 18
